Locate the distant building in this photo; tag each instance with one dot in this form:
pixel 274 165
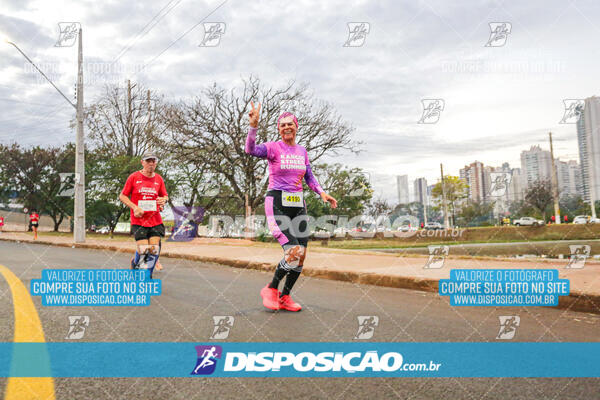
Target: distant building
pixel 512 192
pixel 588 136
pixel 516 190
pixel 403 194
pixel 473 175
pixel 536 165
pixel 420 186
pixel 430 195
pixel 569 178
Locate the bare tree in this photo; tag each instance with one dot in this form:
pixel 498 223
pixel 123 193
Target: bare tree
pixel 125 121
pixel 215 126
pixel 122 124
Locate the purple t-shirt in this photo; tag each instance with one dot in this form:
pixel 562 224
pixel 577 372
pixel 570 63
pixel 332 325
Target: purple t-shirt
pixel 288 165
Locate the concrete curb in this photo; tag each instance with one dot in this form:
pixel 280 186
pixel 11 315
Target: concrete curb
pixel 576 301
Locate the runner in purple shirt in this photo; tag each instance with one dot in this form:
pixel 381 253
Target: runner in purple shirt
pixel 285 207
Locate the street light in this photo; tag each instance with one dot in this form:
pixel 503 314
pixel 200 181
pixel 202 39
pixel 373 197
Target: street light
pixel 79 223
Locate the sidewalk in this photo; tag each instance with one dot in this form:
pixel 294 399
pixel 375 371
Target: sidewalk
pixel 364 267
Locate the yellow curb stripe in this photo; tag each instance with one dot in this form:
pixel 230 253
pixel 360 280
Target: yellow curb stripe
pixel 28 329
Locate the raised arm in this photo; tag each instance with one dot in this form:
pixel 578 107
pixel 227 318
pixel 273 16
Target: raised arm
pixel 251 147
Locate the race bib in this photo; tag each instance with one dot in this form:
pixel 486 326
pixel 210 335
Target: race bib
pixel 292 199
pixel 147 205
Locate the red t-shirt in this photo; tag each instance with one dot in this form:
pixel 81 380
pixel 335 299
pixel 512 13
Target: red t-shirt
pixel 34 218
pixel 144 189
pixel 1 221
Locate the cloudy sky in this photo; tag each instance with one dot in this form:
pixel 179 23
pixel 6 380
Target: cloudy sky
pixel 498 100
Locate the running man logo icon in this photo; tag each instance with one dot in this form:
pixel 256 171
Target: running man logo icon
pixel 508 326
pixel 357 34
pixel 573 111
pixel 223 324
pixel 432 110
pixel 498 34
pixel 77 326
pixel 212 34
pixel 437 255
pixel 67 184
pixel 500 182
pixel 366 326
pixel 67 34
pixel 186 224
pixel 207 359
pixel 579 253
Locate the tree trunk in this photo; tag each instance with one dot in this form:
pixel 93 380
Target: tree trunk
pixel 57 224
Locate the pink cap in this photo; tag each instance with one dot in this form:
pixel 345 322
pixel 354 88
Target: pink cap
pixel 287 114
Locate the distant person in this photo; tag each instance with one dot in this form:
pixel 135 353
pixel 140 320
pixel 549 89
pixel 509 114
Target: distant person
pixel 566 219
pixel 1 223
pixel 34 220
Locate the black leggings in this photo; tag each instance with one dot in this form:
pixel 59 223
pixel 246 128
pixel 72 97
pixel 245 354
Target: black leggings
pixel 289 225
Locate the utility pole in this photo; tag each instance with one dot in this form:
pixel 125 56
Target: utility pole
pixel 79 223
pixel 425 208
pixel 445 205
pixel 79 201
pixel 554 183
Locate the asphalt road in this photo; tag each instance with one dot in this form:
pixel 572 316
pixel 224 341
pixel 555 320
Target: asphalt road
pixel 194 292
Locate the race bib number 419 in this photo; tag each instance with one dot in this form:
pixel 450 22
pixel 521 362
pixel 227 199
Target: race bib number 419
pixel 292 199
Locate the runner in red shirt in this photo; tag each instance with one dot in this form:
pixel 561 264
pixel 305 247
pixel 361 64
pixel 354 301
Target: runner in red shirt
pixel 34 219
pixel 148 197
pixel 1 223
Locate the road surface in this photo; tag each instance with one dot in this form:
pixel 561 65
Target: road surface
pixel 194 292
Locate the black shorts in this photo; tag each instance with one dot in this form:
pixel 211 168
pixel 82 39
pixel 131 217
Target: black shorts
pixel 34 224
pixel 289 225
pixel 146 232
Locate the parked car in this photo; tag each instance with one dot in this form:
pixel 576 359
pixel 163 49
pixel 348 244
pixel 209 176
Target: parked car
pixel 528 221
pixel 407 228
pixel 433 226
pixel 103 230
pixel 585 219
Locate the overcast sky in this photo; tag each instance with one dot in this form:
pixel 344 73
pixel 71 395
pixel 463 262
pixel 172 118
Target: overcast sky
pixel 498 100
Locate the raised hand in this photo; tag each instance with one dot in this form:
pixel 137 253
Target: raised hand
pixel 254 115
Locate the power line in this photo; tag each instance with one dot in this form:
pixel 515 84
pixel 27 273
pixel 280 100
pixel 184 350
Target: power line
pixel 138 37
pixel 182 36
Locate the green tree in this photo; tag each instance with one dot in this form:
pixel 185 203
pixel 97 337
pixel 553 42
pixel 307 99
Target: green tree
pixel 34 175
pixel 456 192
pixel 539 196
pixel 414 209
pixel 350 186
pixel 476 213
pixel 106 179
